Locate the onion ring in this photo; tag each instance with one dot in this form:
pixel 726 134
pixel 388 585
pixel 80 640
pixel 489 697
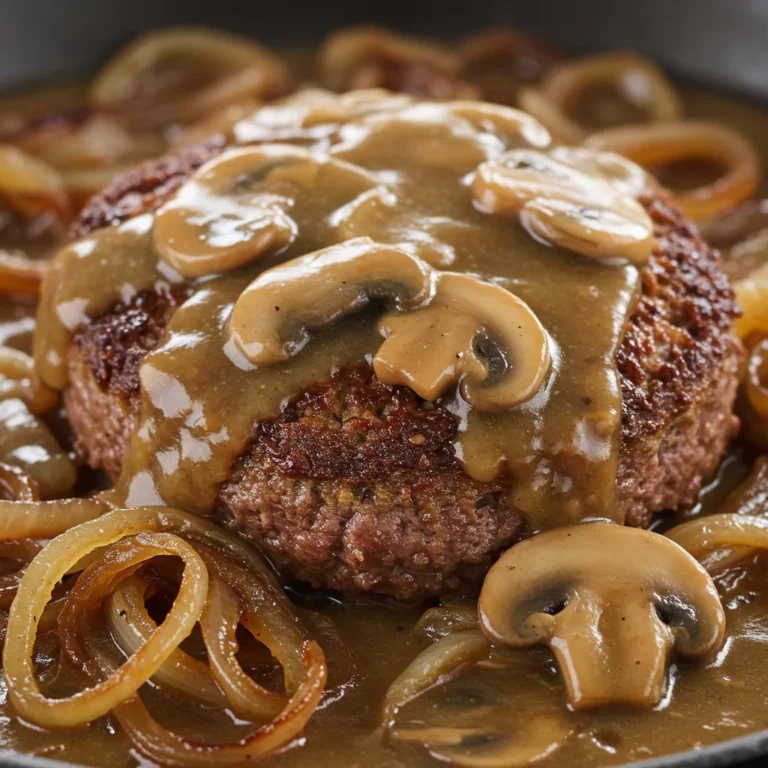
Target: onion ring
pixel 659 144
pixel 17 485
pixel 21 275
pixel 219 622
pixel 700 537
pixel 31 186
pixel 757 376
pixel 18 378
pixel 752 296
pixel 132 627
pixel 245 70
pixel 244 583
pixel 173 750
pixel 35 590
pixel 445 657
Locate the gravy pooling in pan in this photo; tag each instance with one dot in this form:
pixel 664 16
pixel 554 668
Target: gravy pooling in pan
pixel 482 258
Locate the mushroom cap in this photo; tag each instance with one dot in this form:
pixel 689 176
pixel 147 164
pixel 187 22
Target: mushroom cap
pixel 611 601
pixel 272 317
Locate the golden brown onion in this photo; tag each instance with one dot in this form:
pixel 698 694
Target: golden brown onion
pixel 19 379
pixel 752 296
pixel 17 485
pixel 178 75
pixel 27 442
pixel 653 146
pixel 372 57
pixel 173 750
pixel 246 592
pixel 498 60
pixel 132 626
pixel 30 186
pixel 443 658
pixel 637 81
pixel 37 584
pixel 219 622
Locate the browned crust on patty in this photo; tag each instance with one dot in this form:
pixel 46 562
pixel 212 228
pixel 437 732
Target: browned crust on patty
pixel 355 486
pixel 143 188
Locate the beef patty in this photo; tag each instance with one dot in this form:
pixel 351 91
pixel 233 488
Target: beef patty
pixel 355 486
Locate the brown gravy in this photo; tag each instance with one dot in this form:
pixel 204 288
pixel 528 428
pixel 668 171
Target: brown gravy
pixel 560 445
pixel 374 643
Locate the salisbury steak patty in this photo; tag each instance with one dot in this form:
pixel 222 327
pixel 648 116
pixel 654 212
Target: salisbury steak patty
pixel 355 486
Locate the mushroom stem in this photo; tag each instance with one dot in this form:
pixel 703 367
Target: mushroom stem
pixel 611 602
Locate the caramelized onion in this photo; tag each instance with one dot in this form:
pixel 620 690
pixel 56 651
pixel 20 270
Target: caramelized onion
pixel 19 379
pixel 431 666
pixel 178 75
pixel 31 186
pixel 132 627
pixel 27 442
pixel 17 485
pixel 652 146
pixel 245 591
pixel 702 536
pixel 219 623
pixel 173 750
pixel 20 275
pixel 371 57
pixel 28 520
pixel 757 379
pixel 752 295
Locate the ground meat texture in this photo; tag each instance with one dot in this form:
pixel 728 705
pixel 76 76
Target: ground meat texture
pixel 355 488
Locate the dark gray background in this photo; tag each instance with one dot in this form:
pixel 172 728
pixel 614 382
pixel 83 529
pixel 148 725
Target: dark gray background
pixel 724 42
pixel 720 40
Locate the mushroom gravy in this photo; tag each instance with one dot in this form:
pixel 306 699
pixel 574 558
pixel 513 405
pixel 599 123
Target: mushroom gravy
pixel 398 173
pixel 514 700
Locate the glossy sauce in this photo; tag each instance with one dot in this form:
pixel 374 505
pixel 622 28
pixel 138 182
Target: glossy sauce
pixel 374 643
pixel 405 178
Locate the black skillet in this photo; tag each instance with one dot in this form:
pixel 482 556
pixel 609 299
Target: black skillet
pixel 721 42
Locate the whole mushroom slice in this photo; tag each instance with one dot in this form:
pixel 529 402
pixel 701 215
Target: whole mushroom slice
pixel 272 318
pixel 582 200
pixel 612 602
pixel 226 214
pixel 513 126
pixel 473 333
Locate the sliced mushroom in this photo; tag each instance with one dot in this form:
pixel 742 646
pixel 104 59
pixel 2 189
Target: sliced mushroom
pixel 575 198
pixel 472 333
pixel 272 318
pixel 511 125
pixel 227 214
pixel 507 742
pixel 313 114
pixel 611 602
pixel 234 209
pixel 178 75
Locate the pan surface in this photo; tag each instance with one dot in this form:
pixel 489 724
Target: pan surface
pixel 720 42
